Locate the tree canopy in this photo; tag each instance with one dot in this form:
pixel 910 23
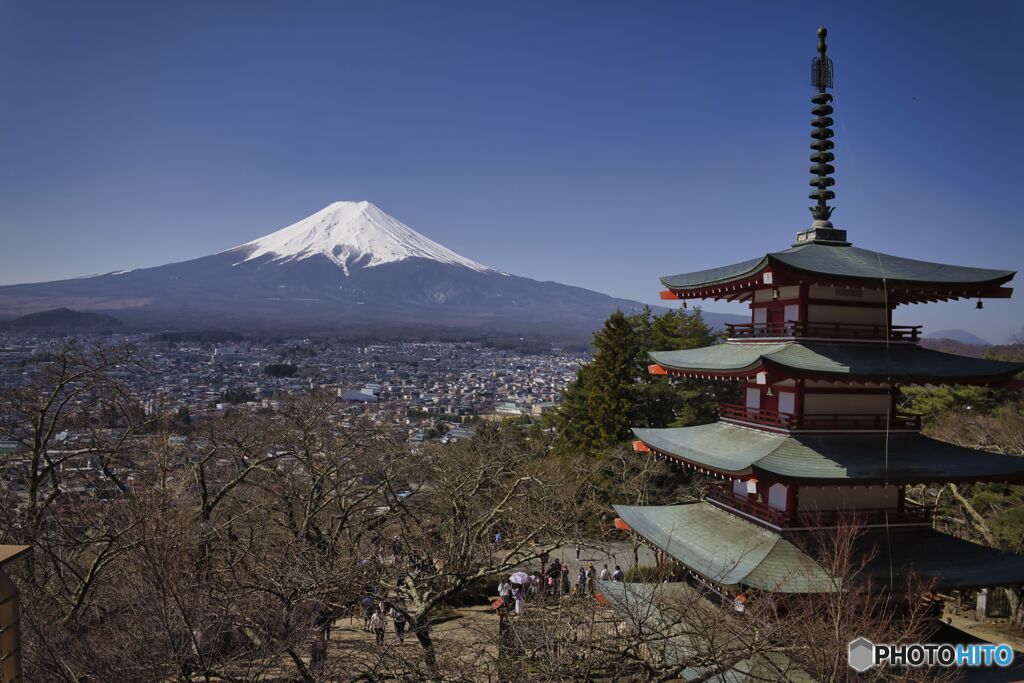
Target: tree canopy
pixel 614 392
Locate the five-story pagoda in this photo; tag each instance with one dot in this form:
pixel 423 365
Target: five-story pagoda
pixel 818 442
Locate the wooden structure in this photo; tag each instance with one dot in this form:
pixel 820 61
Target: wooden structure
pixel 818 440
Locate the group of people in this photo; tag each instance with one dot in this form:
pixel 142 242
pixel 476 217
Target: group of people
pixel 553 582
pixel 375 618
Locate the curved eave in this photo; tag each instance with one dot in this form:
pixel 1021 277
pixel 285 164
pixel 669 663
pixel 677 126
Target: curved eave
pixel 698 465
pixel 952 563
pixel 781 371
pixel 914 459
pixel 727 550
pixel 832 361
pixel 735 282
pixel 725 275
pixel 795 372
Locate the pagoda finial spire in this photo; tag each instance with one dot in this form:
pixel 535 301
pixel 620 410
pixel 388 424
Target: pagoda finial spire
pixel 821 155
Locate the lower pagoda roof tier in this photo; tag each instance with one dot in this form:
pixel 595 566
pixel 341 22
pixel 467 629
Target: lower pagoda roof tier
pixel 909 280
pixel 683 627
pixel 726 549
pixel 899 458
pixel 731 551
pixel 849 362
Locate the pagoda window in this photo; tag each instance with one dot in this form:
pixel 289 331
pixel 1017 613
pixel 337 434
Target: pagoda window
pixel 753 398
pixel 792 312
pixel 778 494
pixel 760 315
pixel 787 402
pixel 739 488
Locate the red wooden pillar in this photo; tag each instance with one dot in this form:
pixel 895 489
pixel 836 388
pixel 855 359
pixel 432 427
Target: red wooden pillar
pixel 792 501
pixel 804 289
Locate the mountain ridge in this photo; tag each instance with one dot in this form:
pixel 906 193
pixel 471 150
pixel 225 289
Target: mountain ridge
pixel 349 264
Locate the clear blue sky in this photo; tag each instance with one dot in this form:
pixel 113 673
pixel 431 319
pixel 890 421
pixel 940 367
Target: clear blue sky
pixel 594 143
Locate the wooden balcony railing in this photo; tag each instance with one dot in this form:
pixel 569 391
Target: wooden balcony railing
pixel 770 418
pixel 910 514
pixel 747 504
pixel 794 423
pixel 793 328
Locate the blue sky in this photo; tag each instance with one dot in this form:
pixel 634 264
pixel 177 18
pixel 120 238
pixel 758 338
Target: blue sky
pixel 598 144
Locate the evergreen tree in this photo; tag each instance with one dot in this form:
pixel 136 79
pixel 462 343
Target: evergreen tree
pixel 615 392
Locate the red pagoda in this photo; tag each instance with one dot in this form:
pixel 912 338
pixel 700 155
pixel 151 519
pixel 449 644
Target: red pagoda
pixel 818 440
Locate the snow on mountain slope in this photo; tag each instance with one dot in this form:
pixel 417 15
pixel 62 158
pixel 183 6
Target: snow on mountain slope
pixel 351 232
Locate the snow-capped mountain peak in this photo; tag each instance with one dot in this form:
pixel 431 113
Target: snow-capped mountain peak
pixel 352 232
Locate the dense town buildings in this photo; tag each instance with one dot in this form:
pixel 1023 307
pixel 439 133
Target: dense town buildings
pixel 423 392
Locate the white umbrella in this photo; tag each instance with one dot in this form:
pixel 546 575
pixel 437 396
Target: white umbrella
pixel 521 578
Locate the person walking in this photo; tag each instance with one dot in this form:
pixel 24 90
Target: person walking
pixel 554 575
pixel 398 617
pixel 581 583
pixel 378 622
pixel 505 593
pixel 591 579
pixel 324 620
pixel 367 605
pixel 520 595
pixel 579 549
pixel 605 574
pixel 617 575
pixel 565 580
pixel 318 654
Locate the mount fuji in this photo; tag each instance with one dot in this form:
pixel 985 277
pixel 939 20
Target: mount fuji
pixel 349 266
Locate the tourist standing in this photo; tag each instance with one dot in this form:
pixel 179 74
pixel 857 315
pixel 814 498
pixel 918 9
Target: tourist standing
pixel 605 574
pixel 378 622
pixel 318 654
pixel 579 549
pixel 398 617
pixel 367 604
pixel 554 574
pixel 505 593
pixel 617 575
pixel 520 595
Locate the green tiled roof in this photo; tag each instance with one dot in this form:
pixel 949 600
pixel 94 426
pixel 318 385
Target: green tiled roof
pixel 845 262
pixel 734 552
pixel 670 618
pixel 727 549
pixel 951 562
pixel 840 360
pixel 911 458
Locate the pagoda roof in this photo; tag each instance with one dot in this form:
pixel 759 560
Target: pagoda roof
pixel 831 360
pixel 951 562
pixel 731 551
pixel 899 458
pixel 683 626
pixel 846 263
pixel 727 549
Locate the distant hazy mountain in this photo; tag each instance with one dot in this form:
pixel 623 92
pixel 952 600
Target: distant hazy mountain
pixel 348 266
pixel 62 320
pixel 962 336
